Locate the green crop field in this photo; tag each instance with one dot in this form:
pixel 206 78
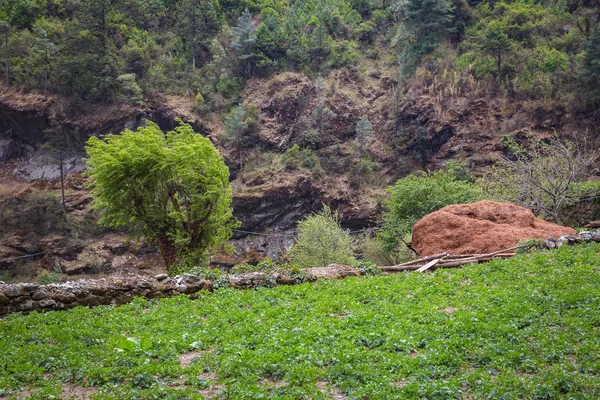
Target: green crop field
pixel 527 328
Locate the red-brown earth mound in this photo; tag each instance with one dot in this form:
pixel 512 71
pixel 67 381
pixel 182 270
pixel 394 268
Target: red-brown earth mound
pixel 479 228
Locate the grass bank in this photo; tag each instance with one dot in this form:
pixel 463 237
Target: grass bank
pixel 528 327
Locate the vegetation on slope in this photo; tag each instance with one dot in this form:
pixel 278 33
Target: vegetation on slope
pixel 125 51
pixel 522 328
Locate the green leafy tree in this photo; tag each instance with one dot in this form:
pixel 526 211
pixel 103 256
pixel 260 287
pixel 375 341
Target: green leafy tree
pixel 172 188
pixel 543 175
pixel 420 194
pixel 496 43
pixel 321 241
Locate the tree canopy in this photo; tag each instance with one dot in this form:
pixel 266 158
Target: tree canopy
pixel 171 188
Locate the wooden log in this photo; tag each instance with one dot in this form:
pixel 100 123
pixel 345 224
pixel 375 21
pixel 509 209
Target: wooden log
pixel 419 261
pixel 453 262
pixel 428 265
pixel 495 253
pixel 400 268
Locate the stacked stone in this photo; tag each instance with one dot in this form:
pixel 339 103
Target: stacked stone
pixel 27 297
pixel 583 237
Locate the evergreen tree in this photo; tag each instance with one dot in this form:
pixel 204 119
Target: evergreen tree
pixel 426 21
pixel 244 40
pixel 495 42
pixel 45 46
pixel 198 23
pixel 589 75
pixel 5 27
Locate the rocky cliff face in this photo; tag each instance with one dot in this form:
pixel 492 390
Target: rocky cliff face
pixel 420 128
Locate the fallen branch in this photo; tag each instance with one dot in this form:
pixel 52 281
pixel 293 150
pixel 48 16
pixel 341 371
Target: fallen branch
pixel 419 261
pixel 428 265
pixel 443 260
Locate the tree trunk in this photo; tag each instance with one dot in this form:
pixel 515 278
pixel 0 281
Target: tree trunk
pixel 6 53
pixel 193 37
pixel 499 63
pixel 45 88
pixel 62 188
pixel 168 253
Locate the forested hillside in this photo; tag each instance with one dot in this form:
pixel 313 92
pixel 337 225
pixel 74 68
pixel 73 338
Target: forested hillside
pixel 127 51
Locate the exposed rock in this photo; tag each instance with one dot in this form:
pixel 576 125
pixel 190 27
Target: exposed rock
pixel 40 295
pixel 188 278
pixel 8 149
pixel 481 227
pixel 590 236
pixel 161 277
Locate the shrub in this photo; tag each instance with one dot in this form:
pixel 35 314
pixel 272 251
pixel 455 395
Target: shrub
pixel 296 158
pixel 542 175
pixel 46 277
pixel 321 241
pixel 129 88
pixel 374 251
pixel 419 194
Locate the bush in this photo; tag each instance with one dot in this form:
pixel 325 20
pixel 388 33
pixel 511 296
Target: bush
pixel 321 241
pixel 420 194
pixel 296 158
pixel 374 251
pixel 129 88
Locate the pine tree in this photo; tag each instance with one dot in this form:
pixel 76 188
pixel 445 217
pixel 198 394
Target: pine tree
pixel 198 23
pixel 45 46
pixel 589 75
pixel 5 27
pixel 244 40
pixel 427 21
pixel 495 42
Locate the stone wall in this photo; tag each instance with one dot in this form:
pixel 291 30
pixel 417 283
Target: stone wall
pixel 26 297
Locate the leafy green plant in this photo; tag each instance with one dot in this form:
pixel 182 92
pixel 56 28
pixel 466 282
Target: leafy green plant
pixel 46 277
pixel 321 241
pixel 419 194
pixel 296 158
pixel 367 268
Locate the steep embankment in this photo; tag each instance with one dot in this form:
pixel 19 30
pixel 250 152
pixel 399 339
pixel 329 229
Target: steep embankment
pixel 273 186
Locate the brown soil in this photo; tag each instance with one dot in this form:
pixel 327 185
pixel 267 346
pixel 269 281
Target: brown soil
pixel 186 358
pixel 479 228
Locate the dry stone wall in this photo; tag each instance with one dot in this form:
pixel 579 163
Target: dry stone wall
pixel 27 297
